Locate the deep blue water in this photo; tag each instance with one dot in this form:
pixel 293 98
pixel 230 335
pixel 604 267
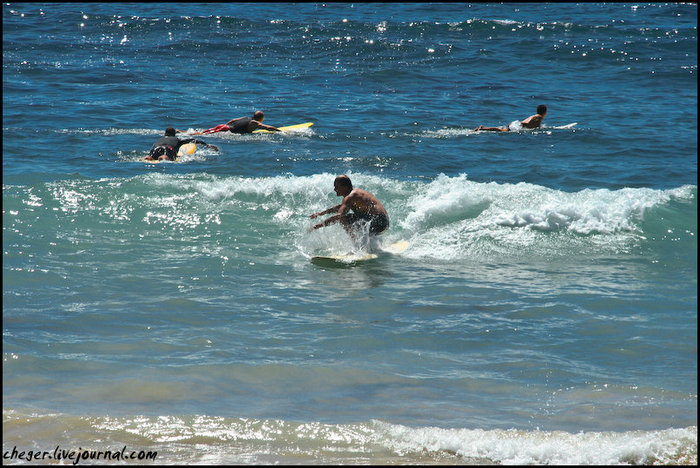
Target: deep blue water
pixel 544 312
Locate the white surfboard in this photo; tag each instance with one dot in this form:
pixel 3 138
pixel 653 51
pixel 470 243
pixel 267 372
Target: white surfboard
pixel 563 127
pixel 353 258
pixel 341 260
pixel 397 247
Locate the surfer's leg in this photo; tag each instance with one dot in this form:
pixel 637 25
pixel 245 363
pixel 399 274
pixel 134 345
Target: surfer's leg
pixel 218 128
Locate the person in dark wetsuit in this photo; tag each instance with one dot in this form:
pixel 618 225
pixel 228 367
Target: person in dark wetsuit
pixel 365 208
pixel 166 147
pixel 242 125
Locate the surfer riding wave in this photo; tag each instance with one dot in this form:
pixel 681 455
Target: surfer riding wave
pixel 365 206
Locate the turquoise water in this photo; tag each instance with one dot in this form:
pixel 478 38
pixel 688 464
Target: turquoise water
pixel 545 311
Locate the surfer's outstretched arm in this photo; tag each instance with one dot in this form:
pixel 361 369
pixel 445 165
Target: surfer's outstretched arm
pixel 329 210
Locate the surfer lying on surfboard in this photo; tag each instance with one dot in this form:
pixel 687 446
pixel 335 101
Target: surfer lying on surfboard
pixel 533 121
pixel 365 207
pixel 241 125
pixel 167 146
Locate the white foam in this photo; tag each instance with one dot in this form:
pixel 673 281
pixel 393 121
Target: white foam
pixel 262 441
pixel 450 217
pixel 519 447
pixel 445 218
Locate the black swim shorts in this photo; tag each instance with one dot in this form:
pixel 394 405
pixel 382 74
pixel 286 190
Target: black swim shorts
pixel 158 151
pixel 378 223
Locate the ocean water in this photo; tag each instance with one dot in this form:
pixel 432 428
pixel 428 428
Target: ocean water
pixel 545 311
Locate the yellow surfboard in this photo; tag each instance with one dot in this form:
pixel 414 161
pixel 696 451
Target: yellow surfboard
pixel 186 150
pixel 288 128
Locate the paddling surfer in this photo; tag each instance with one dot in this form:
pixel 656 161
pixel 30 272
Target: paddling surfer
pixel 534 121
pixel 242 125
pixel 167 146
pixel 365 207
